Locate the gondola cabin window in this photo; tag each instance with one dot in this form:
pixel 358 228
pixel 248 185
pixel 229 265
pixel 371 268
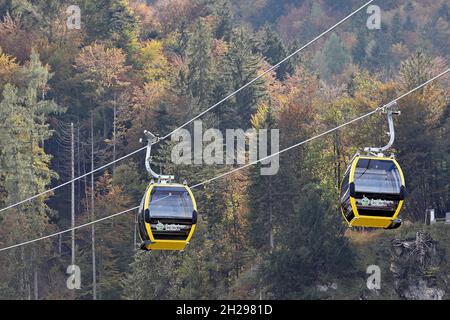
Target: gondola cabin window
pixel 377 177
pixel 170 202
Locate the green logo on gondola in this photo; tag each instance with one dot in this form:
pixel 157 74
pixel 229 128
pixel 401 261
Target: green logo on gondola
pixel 365 201
pixel 160 226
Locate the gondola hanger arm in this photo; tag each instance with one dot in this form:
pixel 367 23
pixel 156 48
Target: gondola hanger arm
pixel 390 110
pixel 151 140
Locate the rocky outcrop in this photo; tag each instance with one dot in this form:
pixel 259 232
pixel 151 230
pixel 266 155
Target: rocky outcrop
pixel 416 264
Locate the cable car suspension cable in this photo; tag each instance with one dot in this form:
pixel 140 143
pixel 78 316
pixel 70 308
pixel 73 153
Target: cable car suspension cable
pixel 247 165
pixel 196 117
pixel 326 132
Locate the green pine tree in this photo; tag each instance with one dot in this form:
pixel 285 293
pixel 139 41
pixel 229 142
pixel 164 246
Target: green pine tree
pixel 359 50
pixel 123 26
pixel 224 26
pixel 333 58
pixel 396 28
pixel 200 62
pixel 312 250
pixel 24 169
pixel 241 66
pixel 274 51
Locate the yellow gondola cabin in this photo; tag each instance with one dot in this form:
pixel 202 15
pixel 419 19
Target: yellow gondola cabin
pixel 167 217
pixel 372 192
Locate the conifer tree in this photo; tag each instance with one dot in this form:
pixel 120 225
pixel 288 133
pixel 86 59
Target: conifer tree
pixel 241 67
pixel 224 26
pixel 359 50
pixel 312 248
pixel 123 26
pixel 396 28
pixel 333 58
pixel 274 51
pixel 263 195
pixel 200 62
pixel 24 164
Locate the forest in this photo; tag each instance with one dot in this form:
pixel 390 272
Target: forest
pixel 74 98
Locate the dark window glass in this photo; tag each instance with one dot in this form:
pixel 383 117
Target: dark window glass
pixel 376 213
pixel 170 202
pixel 377 176
pixel 344 186
pixel 349 215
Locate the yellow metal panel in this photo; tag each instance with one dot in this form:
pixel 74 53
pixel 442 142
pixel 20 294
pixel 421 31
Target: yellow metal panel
pixel 350 180
pixel 148 227
pixel 372 222
pixel 188 239
pixel 147 197
pixel 167 245
pixel 351 177
pixel 400 171
pixel 345 219
pixel 146 204
pixel 399 207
